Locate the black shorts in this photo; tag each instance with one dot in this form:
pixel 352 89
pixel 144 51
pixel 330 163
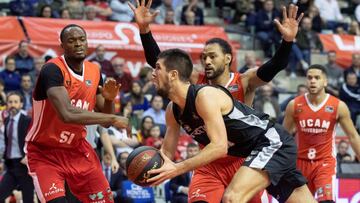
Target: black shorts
pixel 276 153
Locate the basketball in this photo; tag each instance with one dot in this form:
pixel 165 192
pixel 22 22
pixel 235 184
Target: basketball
pixel 140 161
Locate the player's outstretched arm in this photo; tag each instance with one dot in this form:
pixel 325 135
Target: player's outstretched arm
pixel 59 98
pixel 348 127
pixel 143 18
pixel 288 29
pixel 289 123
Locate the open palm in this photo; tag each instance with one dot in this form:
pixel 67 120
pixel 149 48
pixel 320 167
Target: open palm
pixel 289 25
pixel 143 16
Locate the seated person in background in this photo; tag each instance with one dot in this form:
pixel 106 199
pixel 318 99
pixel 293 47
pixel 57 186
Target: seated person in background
pixel 154 140
pixel 180 184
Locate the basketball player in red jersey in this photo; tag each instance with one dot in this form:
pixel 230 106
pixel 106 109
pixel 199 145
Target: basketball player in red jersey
pixel 212 179
pixel 65 95
pixel 314 117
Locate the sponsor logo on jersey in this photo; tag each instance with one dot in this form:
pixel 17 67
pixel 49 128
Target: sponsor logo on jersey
pixel 97 196
pixel 88 82
pixel 233 88
pixel 329 109
pixel 314 125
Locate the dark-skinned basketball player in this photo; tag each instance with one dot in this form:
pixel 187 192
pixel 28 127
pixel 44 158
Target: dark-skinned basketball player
pixel 64 97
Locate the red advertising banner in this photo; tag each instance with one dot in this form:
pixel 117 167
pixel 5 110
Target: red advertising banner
pixel 119 38
pixel 344 45
pixel 10 35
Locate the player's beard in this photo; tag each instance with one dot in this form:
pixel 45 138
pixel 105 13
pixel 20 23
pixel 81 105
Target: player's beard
pixel 164 91
pixel 217 72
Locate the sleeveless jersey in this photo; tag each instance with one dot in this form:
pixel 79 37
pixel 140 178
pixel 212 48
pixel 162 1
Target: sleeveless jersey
pixel 244 126
pixel 234 85
pixel 315 127
pixel 47 129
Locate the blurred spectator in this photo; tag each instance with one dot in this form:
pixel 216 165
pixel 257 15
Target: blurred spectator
pixel 155 140
pixel 46 12
pixel 137 98
pixel 300 90
pixel 242 10
pixel 26 91
pixel 120 140
pixel 118 178
pixel 145 76
pixel 76 9
pixel 2 98
pixel 343 148
pixel 307 41
pixel 16 126
pixel 101 7
pixel 98 137
pixel 156 110
pixel 146 124
pixel 21 8
pixel 180 184
pixel 56 6
pixel 24 62
pixel 11 78
pixel 128 113
pixel 106 66
pixel 250 62
pixel 357 13
pixel 170 18
pixel 267 103
pixel 354 28
pixel 330 13
pixel 334 74
pixel 90 13
pixel 355 66
pixel 350 94
pixel 339 30
pixel 265 30
pixel 122 77
pixel 121 11
pixel 314 14
pixel 303 6
pixel 38 62
pixel 65 14
pixel 163 9
pixel 192 14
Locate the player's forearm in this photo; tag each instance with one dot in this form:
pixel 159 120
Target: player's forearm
pixel 84 117
pixel 207 155
pixel 151 49
pixel 355 144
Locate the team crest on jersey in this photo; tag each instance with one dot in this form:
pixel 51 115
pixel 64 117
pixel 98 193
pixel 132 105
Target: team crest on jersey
pixel 88 82
pixel 233 88
pixel 329 109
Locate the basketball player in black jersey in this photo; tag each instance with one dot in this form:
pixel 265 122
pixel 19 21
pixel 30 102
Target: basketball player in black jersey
pixel 225 126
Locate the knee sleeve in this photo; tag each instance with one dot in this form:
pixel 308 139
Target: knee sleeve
pixel 58 200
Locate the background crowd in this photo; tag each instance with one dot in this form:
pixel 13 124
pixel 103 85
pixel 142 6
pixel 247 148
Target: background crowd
pixel 138 100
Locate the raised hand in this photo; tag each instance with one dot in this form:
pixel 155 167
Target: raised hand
pixel 289 25
pixel 110 89
pixel 143 16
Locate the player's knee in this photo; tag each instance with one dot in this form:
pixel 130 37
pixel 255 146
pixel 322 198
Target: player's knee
pixel 58 200
pixel 327 201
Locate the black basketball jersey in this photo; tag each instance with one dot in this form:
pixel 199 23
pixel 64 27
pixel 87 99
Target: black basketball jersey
pixel 244 126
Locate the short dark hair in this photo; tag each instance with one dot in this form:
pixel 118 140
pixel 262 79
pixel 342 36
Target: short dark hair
pixel 9 58
pixel 318 67
pixel 177 59
pixel 22 41
pixel 11 93
pixel 225 46
pixel 62 33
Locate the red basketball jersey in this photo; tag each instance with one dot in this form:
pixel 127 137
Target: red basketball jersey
pixel 316 127
pixel 234 85
pixel 47 129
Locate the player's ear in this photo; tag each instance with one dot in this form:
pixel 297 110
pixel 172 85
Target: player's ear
pixel 173 74
pixel 228 58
